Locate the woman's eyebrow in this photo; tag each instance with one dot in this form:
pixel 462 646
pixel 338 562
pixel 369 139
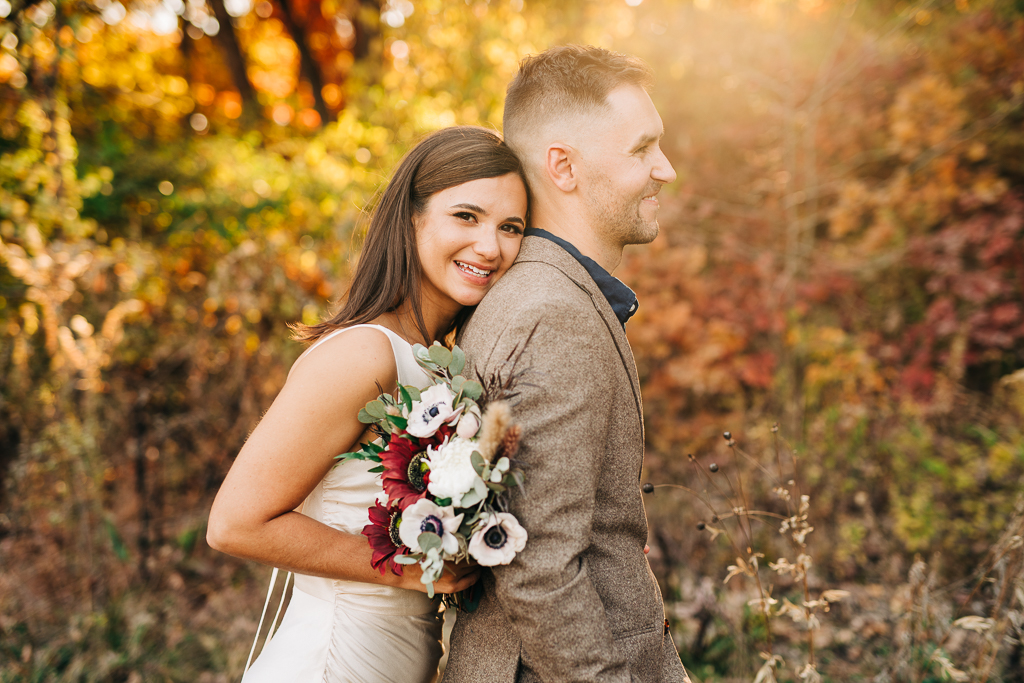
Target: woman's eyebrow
pixel 471 207
pixel 515 219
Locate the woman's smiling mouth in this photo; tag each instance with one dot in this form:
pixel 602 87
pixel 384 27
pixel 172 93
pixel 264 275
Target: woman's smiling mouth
pixel 473 270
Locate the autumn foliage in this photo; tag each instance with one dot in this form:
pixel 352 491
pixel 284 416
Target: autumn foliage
pixel 842 254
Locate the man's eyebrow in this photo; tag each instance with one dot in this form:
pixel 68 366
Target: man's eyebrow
pixel 647 139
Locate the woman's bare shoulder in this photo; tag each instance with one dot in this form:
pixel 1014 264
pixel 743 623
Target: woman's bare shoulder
pixel 360 357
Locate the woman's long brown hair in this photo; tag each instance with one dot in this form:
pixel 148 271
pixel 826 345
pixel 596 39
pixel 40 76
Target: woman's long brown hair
pixel 389 272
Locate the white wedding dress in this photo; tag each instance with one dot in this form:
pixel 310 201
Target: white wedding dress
pixel 345 631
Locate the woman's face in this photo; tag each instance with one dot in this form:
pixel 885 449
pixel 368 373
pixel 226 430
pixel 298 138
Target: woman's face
pixel 468 236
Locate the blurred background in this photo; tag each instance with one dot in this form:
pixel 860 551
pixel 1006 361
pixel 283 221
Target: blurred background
pixel 838 285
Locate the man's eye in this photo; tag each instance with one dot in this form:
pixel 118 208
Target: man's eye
pixel 513 228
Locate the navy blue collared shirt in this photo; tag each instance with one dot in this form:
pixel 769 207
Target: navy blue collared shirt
pixel 620 297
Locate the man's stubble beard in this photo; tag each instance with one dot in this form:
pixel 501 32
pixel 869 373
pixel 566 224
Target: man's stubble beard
pixel 622 221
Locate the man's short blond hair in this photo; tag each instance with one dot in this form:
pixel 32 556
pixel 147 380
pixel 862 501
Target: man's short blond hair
pixel 563 85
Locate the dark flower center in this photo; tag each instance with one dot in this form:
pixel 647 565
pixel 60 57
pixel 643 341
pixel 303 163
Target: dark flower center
pixel 433 411
pixel 495 537
pixel 417 470
pixel 393 524
pixel 432 524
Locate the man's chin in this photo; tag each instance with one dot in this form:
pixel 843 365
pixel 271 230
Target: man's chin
pixel 644 233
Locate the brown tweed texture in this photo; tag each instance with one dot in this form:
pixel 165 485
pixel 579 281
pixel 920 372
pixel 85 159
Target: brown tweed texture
pixel 579 603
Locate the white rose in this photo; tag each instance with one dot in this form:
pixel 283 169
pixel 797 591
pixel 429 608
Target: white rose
pixel 498 541
pixel 451 471
pixel 431 411
pixel 425 516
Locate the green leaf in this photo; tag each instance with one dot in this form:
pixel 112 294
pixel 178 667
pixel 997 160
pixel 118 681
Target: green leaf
pixel 376 410
pixel 365 417
pixel 442 502
pixel 120 549
pixel 440 355
pixel 430 589
pixel 405 559
pixel 478 463
pixel 414 393
pixel 497 488
pixel 429 541
pixel 457 382
pixel 377 469
pixel 406 397
pixel 458 363
pixel 398 421
pixel 472 389
pixel 420 351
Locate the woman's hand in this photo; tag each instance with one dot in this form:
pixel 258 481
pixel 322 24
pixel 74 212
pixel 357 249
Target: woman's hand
pixel 454 578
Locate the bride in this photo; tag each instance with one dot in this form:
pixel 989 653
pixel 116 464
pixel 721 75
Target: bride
pixel 446 228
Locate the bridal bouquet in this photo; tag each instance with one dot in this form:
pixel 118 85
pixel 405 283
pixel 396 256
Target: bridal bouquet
pixel 445 457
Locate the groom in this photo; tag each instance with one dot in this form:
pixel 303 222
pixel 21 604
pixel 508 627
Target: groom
pixel 579 603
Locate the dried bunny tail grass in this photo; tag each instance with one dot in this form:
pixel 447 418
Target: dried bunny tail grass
pixel 510 444
pixel 495 422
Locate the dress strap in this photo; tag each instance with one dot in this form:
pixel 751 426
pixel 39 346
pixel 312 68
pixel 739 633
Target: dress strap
pixel 266 603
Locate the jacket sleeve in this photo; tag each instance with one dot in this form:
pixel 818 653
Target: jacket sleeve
pixel 563 408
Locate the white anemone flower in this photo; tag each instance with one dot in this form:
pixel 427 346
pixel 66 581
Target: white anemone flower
pixel 498 541
pixel 426 516
pixel 451 471
pixel 432 410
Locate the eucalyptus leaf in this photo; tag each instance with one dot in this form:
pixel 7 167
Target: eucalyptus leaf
pixel 440 355
pixel 458 363
pixel 472 389
pixel 430 589
pixel 497 488
pixel 405 559
pixel 478 463
pixel 365 417
pixel 376 410
pixel 414 393
pixel 472 498
pixel 429 541
pixel 502 464
pixel 457 382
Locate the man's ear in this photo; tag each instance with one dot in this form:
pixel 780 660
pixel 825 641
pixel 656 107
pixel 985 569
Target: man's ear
pixel 560 166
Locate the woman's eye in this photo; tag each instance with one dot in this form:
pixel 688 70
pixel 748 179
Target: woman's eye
pixel 465 216
pixel 512 228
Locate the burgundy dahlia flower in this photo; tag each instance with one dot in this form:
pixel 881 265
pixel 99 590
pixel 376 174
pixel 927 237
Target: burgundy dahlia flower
pixel 406 475
pixel 382 531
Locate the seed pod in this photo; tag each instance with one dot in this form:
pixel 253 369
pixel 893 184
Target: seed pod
pixel 713 467
pixel 648 487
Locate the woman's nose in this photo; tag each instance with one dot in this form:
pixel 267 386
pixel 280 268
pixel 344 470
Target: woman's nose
pixel 487 244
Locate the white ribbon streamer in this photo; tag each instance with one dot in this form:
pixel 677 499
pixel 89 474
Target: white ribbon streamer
pixel 273 624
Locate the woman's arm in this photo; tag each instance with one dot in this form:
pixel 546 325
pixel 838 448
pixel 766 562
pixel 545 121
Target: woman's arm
pixel 293 447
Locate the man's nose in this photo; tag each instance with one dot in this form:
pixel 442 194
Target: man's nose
pixel 662 170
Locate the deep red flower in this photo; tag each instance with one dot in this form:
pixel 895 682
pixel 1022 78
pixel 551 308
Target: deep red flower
pixel 404 484
pixel 382 535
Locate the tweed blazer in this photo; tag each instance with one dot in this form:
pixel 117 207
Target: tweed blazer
pixel 580 602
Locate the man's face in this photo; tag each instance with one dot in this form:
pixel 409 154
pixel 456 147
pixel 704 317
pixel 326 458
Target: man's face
pixel 624 168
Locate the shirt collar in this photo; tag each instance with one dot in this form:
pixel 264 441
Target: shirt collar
pixel 621 298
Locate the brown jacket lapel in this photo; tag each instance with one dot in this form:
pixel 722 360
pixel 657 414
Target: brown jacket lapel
pixel 542 250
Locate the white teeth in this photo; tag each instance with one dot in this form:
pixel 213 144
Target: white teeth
pixel 472 270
